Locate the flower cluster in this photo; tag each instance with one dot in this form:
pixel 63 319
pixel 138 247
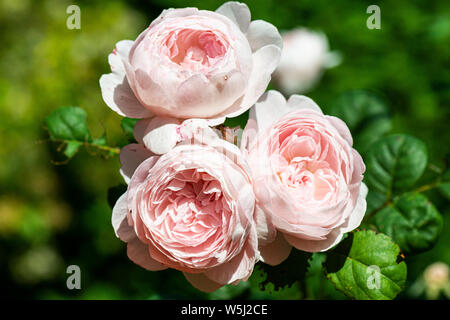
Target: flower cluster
pixel 212 201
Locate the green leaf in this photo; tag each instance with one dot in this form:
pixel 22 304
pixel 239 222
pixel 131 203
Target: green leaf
pixel 365 113
pixel 240 121
pixel 261 289
pixel 370 270
pixel 411 221
pixel 317 286
pixel 100 141
pixel 67 126
pixel 68 123
pixel 291 270
pixel 393 163
pixel 127 125
pixel 444 186
pixel 72 148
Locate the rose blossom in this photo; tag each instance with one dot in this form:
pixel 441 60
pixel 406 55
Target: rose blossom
pixel 305 55
pixel 191 209
pixel 306 175
pixel 192 63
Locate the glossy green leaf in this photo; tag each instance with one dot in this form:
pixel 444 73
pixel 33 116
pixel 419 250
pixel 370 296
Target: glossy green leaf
pixel 68 123
pixel 365 113
pixel 370 270
pixel 411 221
pixel 393 163
pixel 67 126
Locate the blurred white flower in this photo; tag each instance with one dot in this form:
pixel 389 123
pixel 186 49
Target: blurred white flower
pixel 436 277
pixel 434 282
pixel 37 264
pixel 304 57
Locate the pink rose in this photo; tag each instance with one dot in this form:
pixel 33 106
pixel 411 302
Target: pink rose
pixel 191 209
pixel 306 175
pixel 192 63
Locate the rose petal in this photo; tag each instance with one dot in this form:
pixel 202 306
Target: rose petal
pixel 240 267
pixel 202 282
pixel 261 33
pixel 275 252
pixel 333 238
pixel 139 254
pixel 360 210
pixel 131 156
pixel 236 12
pixel 119 221
pixel 118 95
pixel 264 227
pixel 269 108
pixel 160 135
pixel 123 48
pixel 342 128
pixel 204 98
pixel 265 60
pixel 298 102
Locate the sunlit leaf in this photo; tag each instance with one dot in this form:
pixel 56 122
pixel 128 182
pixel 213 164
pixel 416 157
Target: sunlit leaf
pixel 393 163
pixel 370 270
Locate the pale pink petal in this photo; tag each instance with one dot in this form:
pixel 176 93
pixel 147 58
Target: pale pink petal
pixel 215 121
pixel 160 134
pixel 275 252
pixel 139 254
pixel 118 95
pixel 150 93
pixel 204 98
pixel 174 13
pixel 123 48
pixel 116 91
pixel 119 220
pixel 333 238
pixel 264 227
pixel 298 102
pixel 236 12
pixel 265 60
pixel 116 64
pixel 360 209
pixel 249 136
pixel 342 128
pixel 202 282
pixel 139 130
pixel 240 267
pixel 261 33
pixel 269 108
pixel 131 156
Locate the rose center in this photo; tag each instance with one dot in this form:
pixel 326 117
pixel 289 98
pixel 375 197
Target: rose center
pixel 192 49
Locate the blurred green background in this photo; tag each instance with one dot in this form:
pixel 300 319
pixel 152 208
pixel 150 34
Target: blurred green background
pixel 53 216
